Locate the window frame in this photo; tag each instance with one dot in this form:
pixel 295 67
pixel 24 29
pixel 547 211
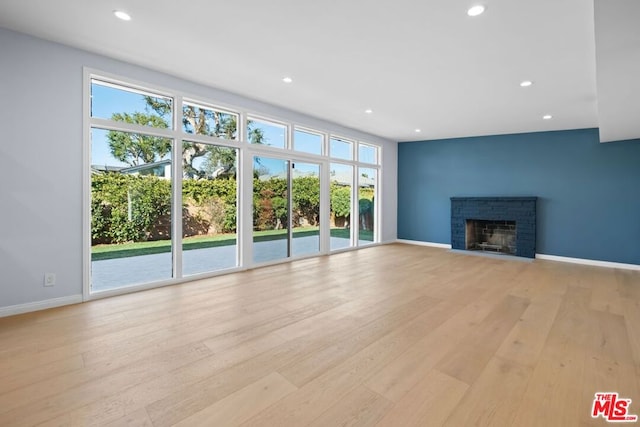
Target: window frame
pixel 245 151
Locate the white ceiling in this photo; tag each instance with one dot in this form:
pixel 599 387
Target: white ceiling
pixel 417 64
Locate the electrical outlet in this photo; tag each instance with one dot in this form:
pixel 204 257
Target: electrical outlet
pixel 49 279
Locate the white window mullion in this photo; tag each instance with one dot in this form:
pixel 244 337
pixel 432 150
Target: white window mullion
pixel 290 166
pixel 355 211
pixel 245 211
pixel 325 209
pixel 130 128
pixel 377 208
pixel 244 214
pixel 210 140
pixel 289 141
pixel 176 206
pixel 86 186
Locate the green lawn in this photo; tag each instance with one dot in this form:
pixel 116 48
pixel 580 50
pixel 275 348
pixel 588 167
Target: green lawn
pixel 103 252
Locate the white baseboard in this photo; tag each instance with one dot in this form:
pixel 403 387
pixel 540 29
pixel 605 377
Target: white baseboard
pixel 582 261
pixel 592 262
pixel 39 305
pixel 419 243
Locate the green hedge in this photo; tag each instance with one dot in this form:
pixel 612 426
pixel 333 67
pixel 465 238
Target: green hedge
pixel 132 208
pixel 127 208
pixel 218 199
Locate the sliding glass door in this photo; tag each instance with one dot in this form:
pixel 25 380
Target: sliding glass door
pixel 341 194
pixel 367 179
pixel 305 189
pixel 286 209
pixel 270 209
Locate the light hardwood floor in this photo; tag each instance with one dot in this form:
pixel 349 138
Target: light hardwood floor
pixel 394 335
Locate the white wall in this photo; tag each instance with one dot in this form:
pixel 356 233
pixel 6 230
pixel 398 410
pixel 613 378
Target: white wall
pixel 41 161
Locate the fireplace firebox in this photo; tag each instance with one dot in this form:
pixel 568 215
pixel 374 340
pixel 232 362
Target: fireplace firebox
pixel 505 225
pixel 491 236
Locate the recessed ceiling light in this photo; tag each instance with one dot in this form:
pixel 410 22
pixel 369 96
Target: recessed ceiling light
pixel 418 131
pixel 287 79
pixel 122 15
pixel 547 117
pixel 368 111
pixel 476 10
pixel 526 83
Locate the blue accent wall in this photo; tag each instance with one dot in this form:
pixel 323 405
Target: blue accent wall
pixel 588 192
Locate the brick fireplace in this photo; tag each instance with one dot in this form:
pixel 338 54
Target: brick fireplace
pixel 504 225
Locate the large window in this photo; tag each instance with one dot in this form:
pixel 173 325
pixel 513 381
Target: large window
pixel 167 199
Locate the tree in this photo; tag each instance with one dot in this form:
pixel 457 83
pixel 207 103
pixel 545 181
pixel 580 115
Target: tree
pixel 306 198
pixel 255 135
pixel 134 148
pixel 220 162
pixel 280 212
pixel 340 200
pixel 205 121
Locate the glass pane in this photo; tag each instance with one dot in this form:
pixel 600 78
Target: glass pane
pixel 307 142
pixel 266 133
pixel 341 149
pixel 209 211
pixel 341 194
pixel 122 104
pixel 207 121
pixel 130 209
pixel 366 205
pixel 367 153
pixel 306 208
pixel 270 209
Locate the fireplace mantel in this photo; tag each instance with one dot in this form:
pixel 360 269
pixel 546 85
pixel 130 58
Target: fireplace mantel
pixel 522 210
